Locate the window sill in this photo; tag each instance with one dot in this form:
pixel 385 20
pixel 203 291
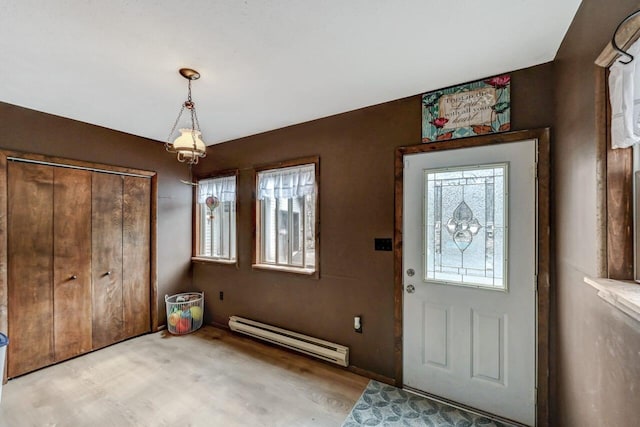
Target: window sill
pixel 303 271
pixel 207 260
pixel 624 295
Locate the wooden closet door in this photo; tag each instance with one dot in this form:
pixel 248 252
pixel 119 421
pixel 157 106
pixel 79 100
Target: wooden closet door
pixel 30 267
pixel 106 259
pixel 72 262
pixel 136 258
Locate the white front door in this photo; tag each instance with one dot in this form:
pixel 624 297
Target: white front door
pixel 469 277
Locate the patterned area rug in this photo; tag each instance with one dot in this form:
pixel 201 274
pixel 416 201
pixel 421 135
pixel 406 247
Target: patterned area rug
pixel 384 405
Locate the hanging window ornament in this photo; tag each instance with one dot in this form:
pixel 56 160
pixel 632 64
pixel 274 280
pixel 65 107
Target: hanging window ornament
pixel 212 203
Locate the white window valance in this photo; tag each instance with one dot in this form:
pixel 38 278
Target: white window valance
pixel 287 183
pixel 624 93
pixel 223 188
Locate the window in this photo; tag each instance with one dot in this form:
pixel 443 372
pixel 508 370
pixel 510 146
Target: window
pixel 286 218
pixel 216 219
pixel 622 165
pixel 466 226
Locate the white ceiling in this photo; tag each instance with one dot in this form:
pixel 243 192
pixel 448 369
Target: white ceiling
pixel 265 64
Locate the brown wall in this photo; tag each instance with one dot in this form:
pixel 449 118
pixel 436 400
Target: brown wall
pixel 597 366
pixel 356 152
pixel 596 370
pixel 34 132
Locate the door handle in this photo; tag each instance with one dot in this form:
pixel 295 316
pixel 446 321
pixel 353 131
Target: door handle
pixel 108 273
pixel 411 289
pixel 74 277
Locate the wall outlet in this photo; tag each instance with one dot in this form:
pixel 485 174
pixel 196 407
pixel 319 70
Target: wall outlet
pixel 221 296
pixel 357 324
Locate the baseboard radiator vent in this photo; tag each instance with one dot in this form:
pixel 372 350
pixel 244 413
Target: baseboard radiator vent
pixel 321 349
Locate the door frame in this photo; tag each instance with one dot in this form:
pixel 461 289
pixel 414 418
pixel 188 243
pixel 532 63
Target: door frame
pixel 153 176
pixel 543 235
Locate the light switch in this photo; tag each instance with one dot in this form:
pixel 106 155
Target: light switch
pixel 383 244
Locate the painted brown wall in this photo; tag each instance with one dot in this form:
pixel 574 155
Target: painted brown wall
pixel 356 152
pixel 597 369
pixel 34 132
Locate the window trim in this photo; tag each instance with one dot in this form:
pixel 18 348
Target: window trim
pixel 255 218
pixel 614 172
pixel 618 258
pixel 195 219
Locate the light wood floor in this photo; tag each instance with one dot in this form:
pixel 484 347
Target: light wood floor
pixel 209 378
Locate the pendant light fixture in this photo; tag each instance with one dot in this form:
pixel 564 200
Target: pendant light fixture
pixel 188 145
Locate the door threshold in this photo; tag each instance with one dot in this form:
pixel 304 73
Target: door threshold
pixel 462 407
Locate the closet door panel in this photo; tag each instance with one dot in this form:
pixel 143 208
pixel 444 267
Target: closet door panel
pixel 72 262
pixel 30 267
pixel 106 256
pixel 136 263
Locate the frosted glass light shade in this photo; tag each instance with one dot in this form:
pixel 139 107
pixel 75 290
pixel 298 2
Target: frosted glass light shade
pixel 185 148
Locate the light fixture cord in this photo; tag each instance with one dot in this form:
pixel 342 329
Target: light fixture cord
pixel 195 126
pixel 175 125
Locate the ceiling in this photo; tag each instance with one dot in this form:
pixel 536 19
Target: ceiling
pixel 265 64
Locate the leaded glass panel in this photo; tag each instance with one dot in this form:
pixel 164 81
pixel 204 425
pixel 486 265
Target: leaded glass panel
pixel 466 226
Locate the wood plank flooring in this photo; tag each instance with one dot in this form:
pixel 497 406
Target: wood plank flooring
pixel 209 378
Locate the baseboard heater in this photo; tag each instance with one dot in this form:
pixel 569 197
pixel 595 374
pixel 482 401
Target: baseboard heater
pixel 321 349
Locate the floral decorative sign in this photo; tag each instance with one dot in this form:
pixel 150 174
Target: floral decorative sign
pixel 467 110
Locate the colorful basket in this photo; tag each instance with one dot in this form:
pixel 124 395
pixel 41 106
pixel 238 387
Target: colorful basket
pixel 184 312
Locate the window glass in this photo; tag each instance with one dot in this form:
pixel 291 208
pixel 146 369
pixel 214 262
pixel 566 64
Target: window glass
pixel 465 226
pixel 217 218
pixel 287 217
